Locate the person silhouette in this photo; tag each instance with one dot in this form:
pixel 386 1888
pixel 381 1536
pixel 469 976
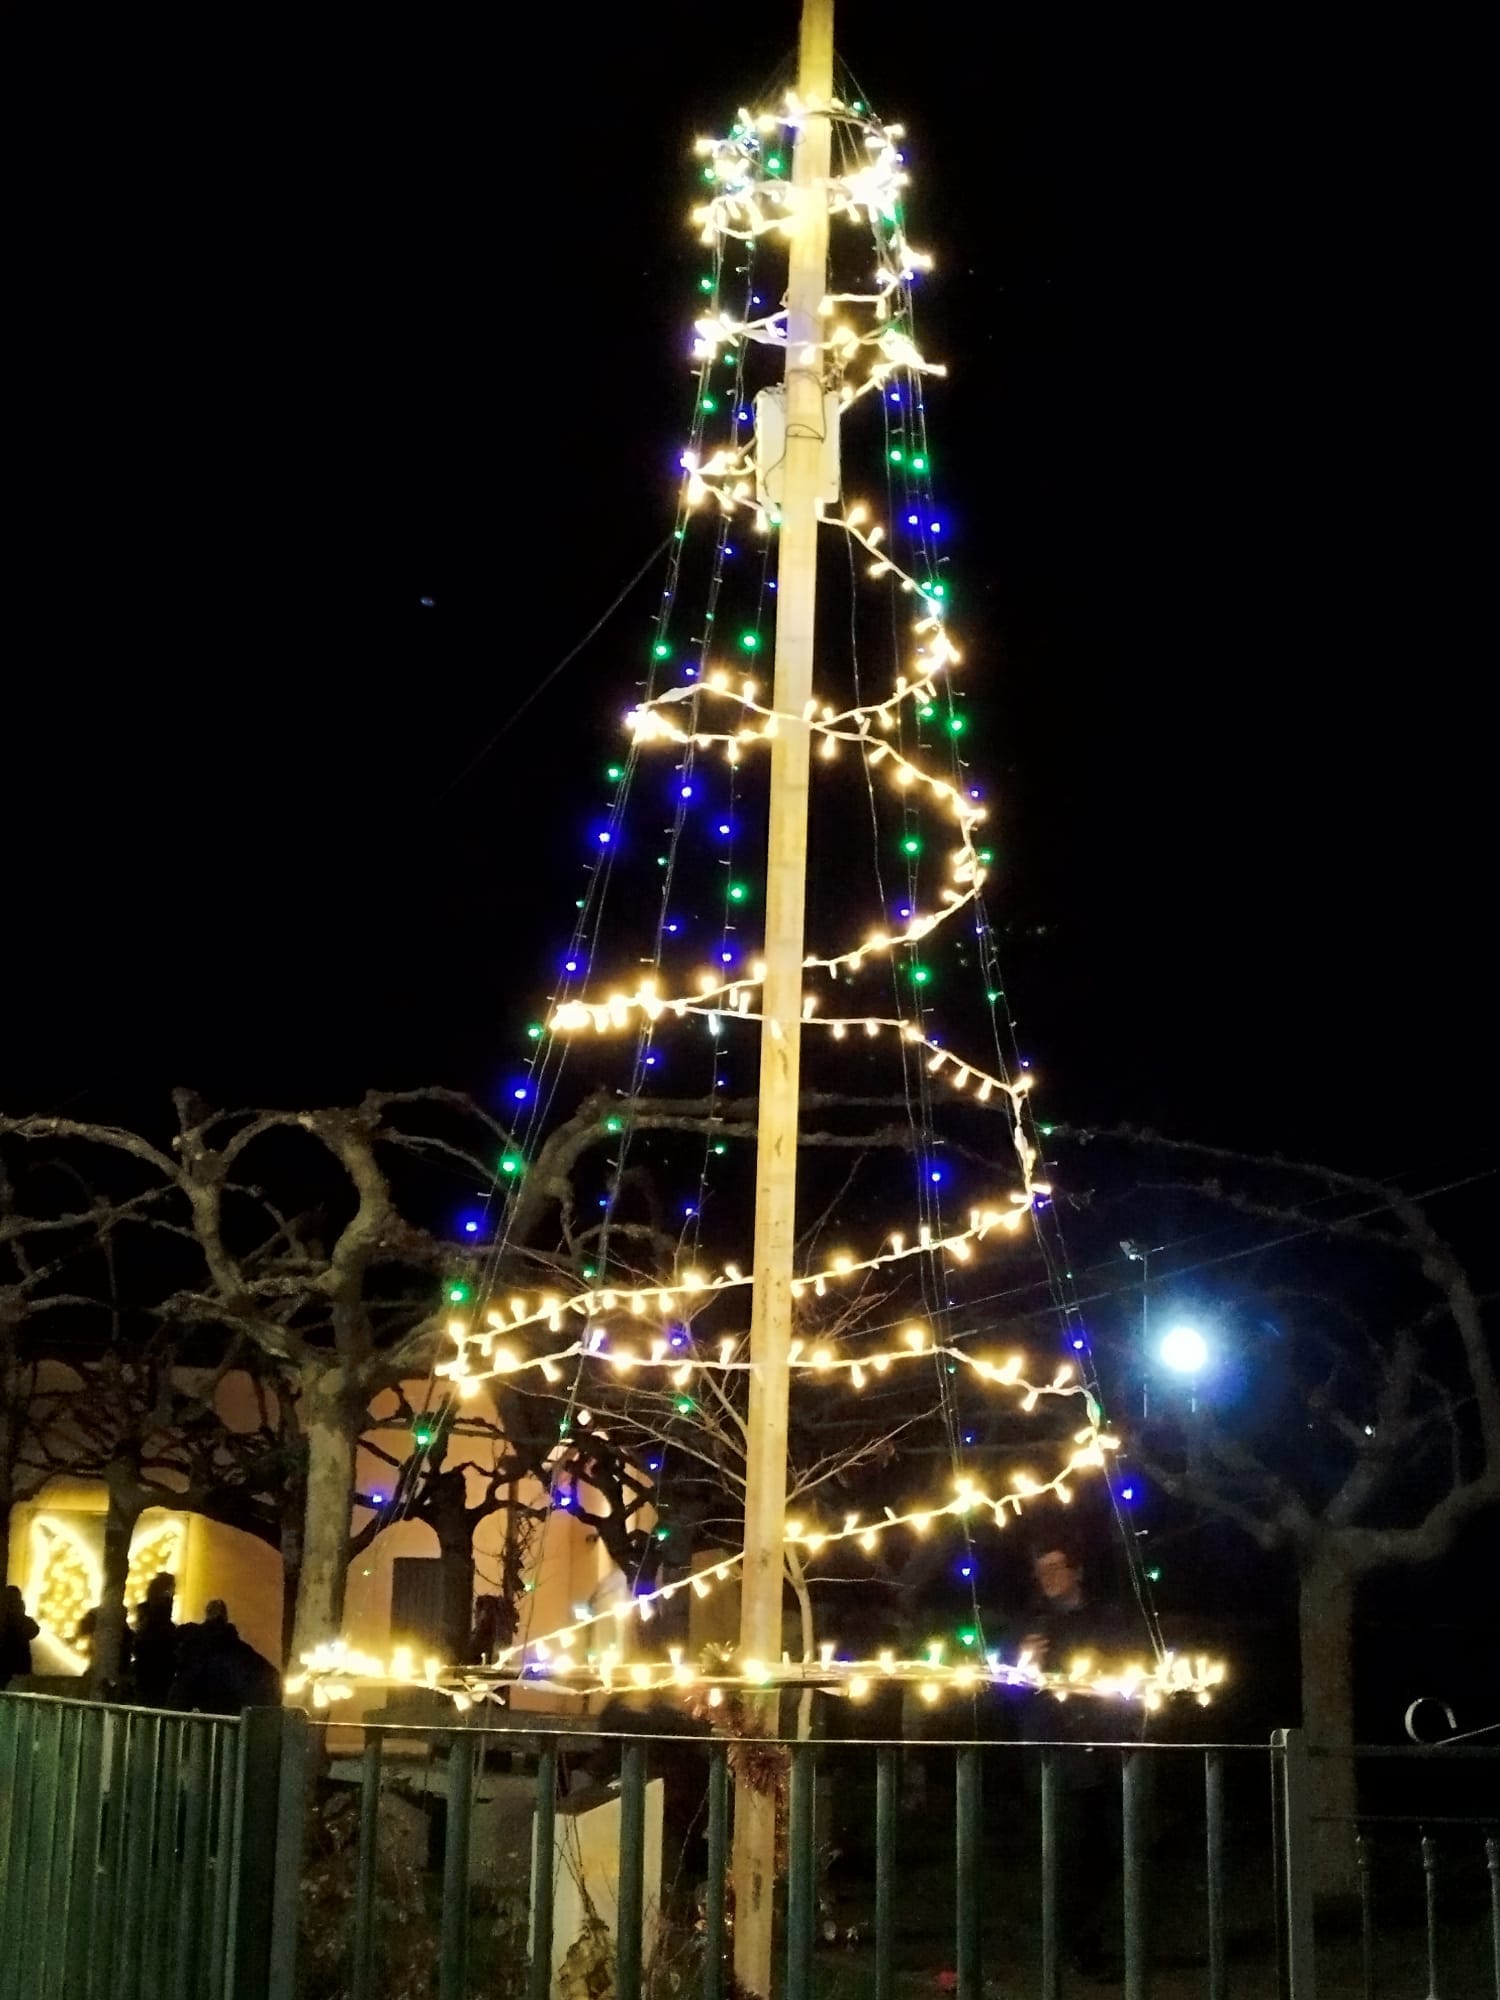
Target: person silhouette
pixel 16 1634
pixel 154 1651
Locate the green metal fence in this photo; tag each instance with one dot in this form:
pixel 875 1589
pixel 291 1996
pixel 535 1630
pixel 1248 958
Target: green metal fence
pixel 146 1856
pixel 116 1852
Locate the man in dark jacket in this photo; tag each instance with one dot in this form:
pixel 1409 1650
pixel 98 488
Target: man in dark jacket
pixel 1062 1626
pixel 221 1673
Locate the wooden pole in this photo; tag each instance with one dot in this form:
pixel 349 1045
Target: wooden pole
pixel 780 1047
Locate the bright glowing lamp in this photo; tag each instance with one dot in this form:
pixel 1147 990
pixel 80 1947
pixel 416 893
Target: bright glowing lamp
pixel 1184 1350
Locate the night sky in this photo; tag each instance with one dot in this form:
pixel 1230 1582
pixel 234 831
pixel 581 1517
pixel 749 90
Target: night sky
pixel 405 319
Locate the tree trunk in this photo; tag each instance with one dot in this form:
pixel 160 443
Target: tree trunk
pixel 803 1596
pixel 293 1509
pixel 330 1426
pixel 108 1644
pixel 1325 1612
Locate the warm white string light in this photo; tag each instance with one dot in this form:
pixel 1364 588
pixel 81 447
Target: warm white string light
pixel 333 1672
pixel 692 1289
pixel 480 1360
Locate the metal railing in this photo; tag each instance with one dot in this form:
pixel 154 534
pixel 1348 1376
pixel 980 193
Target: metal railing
pixel 117 1828
pixel 1424 1843
pixel 273 1858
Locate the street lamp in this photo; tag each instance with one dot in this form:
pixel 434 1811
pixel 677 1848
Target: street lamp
pixel 1184 1350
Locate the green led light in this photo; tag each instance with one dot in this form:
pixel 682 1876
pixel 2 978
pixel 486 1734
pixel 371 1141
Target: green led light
pixel 422 1434
pixel 920 975
pixel 1153 1576
pixel 737 892
pixel 534 1032
pixel 898 456
pixel 956 725
pixel 709 404
pixel 679 534
pixel 459 1294
pixel 986 855
pixel 750 641
pixel 662 1533
pixel 1046 1130
pixel 591 1270
pixel 993 995
pixel 705 284
pixel 721 1147
pixel 683 1405
pixel 614 1124
pixel 968 1636
pixel 773 163
pixel 937 590
pixel 709 174
pixel 919 464
pixel 615 773
pixel 511 1164
pixel 661 649
pixel 927 711
pixel 911 845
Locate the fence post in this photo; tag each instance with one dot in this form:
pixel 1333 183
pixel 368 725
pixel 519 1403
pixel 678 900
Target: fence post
pixel 1135 1829
pixel 801 1881
pixel 543 1862
pixel 718 1862
pixel 1294 1839
pixel 968 1862
pixel 887 1784
pixel 453 1947
pixel 630 1912
pixel 362 1969
pixel 267 1854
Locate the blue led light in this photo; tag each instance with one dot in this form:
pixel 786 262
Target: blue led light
pixel 605 837
pixel 520 1093
pixel 724 827
pixel 687 791
pixel 570 965
pixel 936 1174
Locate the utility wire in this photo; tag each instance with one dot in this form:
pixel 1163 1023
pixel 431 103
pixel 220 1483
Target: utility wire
pixel 547 679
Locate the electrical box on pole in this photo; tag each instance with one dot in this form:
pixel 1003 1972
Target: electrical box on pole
pixel 770 447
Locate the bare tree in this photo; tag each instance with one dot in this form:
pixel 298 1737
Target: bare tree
pixel 54 1271
pixel 345 1297
pixel 1373 1433
pixel 460 1470
pixel 151 1431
